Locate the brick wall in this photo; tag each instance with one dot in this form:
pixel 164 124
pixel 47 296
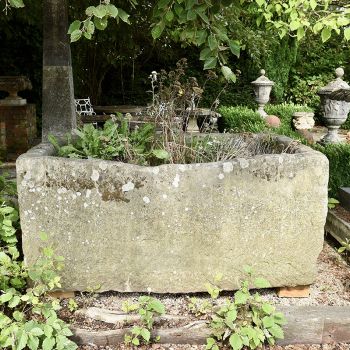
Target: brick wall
pixel 17 130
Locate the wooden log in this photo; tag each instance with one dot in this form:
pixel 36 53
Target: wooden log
pixel 306 325
pixel 294 292
pixel 117 316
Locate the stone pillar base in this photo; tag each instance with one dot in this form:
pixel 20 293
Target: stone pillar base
pixel 17 130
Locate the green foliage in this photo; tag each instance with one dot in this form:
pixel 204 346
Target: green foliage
pixel 345 248
pixel 147 307
pixel 303 90
pixel 244 321
pixel 242 119
pixel 114 142
pixel 280 59
pixel 332 203
pixel 339 163
pixel 97 18
pixel 72 305
pixel 28 319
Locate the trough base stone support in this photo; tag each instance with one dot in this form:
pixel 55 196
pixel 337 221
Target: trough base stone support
pixel 172 228
pixel 294 292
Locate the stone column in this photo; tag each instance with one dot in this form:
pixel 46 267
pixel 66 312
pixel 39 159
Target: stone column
pixel 58 91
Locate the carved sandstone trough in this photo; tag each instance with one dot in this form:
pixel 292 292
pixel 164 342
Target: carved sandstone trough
pixel 172 228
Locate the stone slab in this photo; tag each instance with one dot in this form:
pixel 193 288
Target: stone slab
pixel 172 228
pixel 344 197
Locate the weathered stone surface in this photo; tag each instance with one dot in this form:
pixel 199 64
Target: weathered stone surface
pixel 172 228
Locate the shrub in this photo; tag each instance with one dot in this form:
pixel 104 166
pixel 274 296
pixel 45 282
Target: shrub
pixel 240 119
pixel 339 163
pixel 243 119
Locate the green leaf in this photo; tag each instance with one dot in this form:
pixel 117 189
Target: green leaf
pixel 33 342
pixel 17 3
pixel 36 331
pixel 90 11
pixel 17 315
pixel 204 54
pixel 326 34
pixel 228 74
pixel 157 306
pixel 112 10
pixel 100 24
pixel 300 33
pixel 14 301
pixel 48 330
pixel 157 30
pixel 276 331
pixel 212 42
pixel 241 297
pixel 161 153
pixel 236 342
pixel 136 341
pixel 260 2
pixel 268 321
pixel 313 4
pixel 210 343
pixel 48 343
pixel 22 339
pixel 123 15
pixel 100 11
pixel 294 25
pixel 6 297
pixel 210 63
pixel 169 16
pixel 261 283
pixel 268 308
pixel 145 334
pixel 76 35
pixel 235 47
pixel 74 26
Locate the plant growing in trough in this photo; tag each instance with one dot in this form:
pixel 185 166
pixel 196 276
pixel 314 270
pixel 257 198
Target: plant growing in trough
pixel 147 307
pixel 243 321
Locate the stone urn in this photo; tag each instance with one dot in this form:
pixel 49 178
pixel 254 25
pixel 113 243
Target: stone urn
pixel 303 120
pixel 334 112
pixel 262 89
pixel 12 85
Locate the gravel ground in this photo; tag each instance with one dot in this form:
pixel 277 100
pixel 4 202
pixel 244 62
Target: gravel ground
pixel 202 347
pixel 332 287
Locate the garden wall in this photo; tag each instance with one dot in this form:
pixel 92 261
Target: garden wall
pixel 172 228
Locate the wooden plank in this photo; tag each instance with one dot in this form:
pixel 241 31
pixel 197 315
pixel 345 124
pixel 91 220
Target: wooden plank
pixel 306 325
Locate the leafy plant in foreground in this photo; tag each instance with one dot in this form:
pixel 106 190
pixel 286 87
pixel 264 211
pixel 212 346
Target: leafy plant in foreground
pixel 147 307
pixel 28 318
pixel 345 248
pixel 244 320
pixel 332 203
